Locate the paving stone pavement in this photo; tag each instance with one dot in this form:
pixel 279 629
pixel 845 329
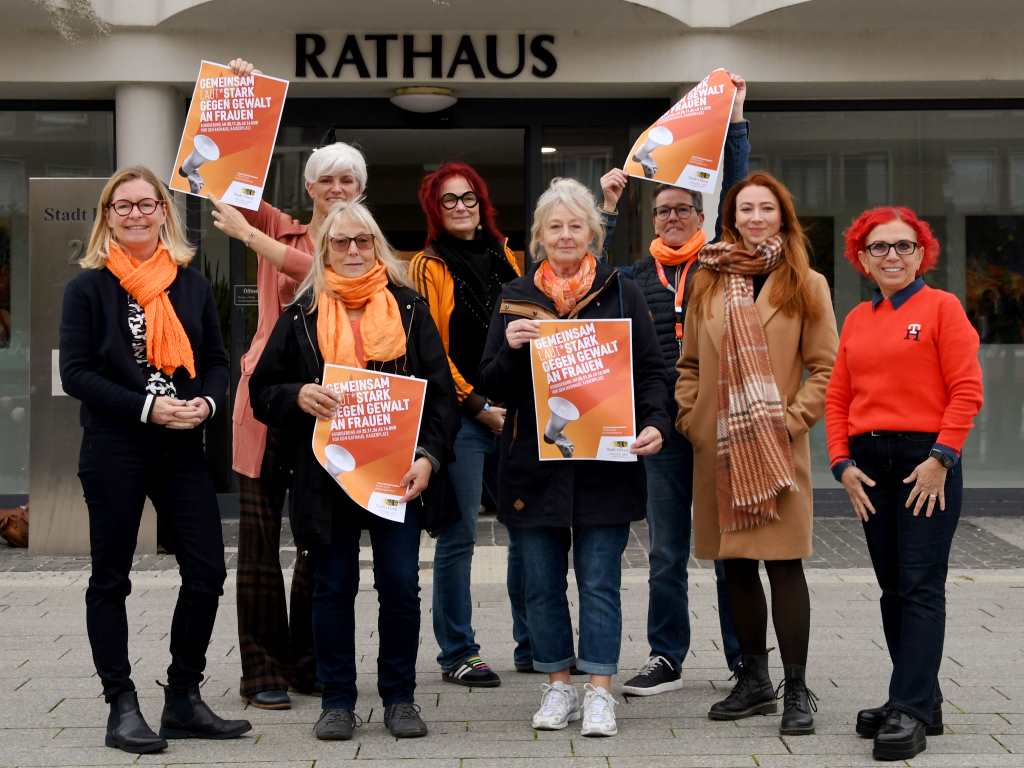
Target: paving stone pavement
pixel 53 714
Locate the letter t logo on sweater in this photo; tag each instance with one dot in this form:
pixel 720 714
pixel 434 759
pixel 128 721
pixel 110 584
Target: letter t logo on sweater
pixel 913 332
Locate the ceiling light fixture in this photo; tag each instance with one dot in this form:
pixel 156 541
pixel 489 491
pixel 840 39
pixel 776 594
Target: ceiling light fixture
pixel 423 98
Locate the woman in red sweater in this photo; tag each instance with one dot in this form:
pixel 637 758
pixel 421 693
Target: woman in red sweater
pixel 894 442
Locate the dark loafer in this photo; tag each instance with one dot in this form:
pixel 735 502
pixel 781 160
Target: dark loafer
pixel 869 721
pixel 270 700
pixel 900 738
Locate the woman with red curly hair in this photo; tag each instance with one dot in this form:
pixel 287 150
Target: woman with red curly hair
pixel 894 442
pixel 460 272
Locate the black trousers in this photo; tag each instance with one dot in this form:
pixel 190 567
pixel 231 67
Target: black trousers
pixel 118 471
pixel 911 558
pixel 276 653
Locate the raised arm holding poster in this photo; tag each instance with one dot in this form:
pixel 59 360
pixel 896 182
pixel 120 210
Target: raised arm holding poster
pixel 583 390
pixel 369 444
pixel 684 147
pixel 229 135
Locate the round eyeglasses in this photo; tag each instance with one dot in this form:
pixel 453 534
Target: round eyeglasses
pixel 450 201
pixel 342 243
pixel 146 206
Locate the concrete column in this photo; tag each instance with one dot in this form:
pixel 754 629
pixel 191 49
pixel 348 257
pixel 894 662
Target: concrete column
pixel 149 119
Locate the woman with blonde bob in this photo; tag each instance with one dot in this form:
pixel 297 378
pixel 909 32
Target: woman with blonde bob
pixel 140 346
pixel 274 638
pixel 758 319
pixel 588 505
pixel 355 309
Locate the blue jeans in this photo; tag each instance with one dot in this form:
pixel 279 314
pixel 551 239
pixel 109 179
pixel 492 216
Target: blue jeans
pixel 453 553
pixel 669 498
pixel 335 569
pixel 597 558
pixel 910 556
pixel 515 581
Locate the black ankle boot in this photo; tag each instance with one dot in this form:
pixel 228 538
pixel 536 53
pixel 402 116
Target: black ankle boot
pixel 186 716
pixel 753 693
pixel 798 703
pixel 127 728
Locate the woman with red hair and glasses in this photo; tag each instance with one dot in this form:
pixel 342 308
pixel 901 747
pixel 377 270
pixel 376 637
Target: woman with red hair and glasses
pixel 460 272
pixel 894 442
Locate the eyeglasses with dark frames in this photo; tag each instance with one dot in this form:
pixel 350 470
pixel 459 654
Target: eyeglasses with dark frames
pixel 880 249
pixel 664 212
pixel 146 206
pixel 342 244
pixel 450 201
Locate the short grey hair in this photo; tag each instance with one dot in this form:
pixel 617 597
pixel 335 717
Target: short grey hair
pixel 578 199
pixel 336 158
pixel 696 197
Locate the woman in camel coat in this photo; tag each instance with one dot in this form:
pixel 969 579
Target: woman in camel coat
pixel 759 317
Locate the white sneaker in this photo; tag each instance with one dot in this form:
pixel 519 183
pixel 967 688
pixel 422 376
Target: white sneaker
pixel 598 712
pixel 559 706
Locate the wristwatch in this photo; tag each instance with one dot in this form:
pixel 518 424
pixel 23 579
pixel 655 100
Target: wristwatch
pixel 942 457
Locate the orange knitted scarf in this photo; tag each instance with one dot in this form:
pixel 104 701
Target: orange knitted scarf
pixel 167 344
pixel 566 291
pixel 668 256
pixel 380 328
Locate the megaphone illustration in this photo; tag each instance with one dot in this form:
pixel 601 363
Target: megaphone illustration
pixel 339 460
pixel 204 150
pixel 563 412
pixel 657 138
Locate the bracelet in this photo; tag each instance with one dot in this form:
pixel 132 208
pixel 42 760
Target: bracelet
pixel 249 237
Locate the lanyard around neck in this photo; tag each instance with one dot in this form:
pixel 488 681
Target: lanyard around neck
pixel 679 291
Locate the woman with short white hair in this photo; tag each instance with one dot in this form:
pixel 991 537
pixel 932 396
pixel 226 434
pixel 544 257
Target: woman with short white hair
pixel 551 506
pixel 274 655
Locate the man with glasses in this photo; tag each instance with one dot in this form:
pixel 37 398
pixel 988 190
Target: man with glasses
pixel 666 278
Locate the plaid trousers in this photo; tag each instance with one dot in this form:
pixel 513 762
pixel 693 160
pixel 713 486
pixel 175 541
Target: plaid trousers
pixel 275 654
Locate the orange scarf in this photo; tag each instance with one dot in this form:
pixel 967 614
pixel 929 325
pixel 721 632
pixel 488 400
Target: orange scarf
pixel 566 291
pixel 380 328
pixel 167 344
pixel 668 256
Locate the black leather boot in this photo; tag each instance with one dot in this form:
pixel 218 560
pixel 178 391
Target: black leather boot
pixel 798 703
pixel 869 721
pixel 186 716
pixel 753 693
pixel 900 737
pixel 127 729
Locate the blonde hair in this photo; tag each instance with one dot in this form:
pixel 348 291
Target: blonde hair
pixel 579 200
pixel 172 233
pixel 315 280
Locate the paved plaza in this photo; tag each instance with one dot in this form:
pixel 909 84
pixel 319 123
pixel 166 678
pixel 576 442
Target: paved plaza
pixel 53 714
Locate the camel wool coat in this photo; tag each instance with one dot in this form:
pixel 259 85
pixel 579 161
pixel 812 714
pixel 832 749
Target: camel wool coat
pixel 795 344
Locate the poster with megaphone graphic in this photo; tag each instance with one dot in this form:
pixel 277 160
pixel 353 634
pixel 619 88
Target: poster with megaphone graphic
pixel 229 136
pixel 583 390
pixel 684 147
pixel 369 443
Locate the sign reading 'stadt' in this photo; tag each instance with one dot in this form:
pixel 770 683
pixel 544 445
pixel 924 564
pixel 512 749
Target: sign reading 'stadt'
pixel 383 56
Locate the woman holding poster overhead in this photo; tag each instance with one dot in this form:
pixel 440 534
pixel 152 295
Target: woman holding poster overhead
pixel 758 319
pixel 355 310
pixel 550 505
pixel 276 654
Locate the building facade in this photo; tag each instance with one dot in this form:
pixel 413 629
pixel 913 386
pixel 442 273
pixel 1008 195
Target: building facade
pixel 919 103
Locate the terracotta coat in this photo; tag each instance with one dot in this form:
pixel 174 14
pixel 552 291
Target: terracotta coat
pixel 794 344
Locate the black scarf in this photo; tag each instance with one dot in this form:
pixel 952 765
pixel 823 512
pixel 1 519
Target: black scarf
pixel 478 268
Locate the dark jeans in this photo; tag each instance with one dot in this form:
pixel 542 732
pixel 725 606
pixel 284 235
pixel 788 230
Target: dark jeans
pixel 119 470
pixel 669 522
pixel 335 586
pixel 597 558
pixel 911 558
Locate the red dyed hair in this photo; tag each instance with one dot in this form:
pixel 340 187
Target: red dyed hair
pixel 430 199
pixel 857 234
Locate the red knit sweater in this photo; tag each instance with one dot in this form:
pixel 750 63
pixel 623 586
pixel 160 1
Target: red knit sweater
pixel 911 369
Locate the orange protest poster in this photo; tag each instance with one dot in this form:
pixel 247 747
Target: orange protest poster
pixel 370 442
pixel 583 390
pixel 229 136
pixel 684 147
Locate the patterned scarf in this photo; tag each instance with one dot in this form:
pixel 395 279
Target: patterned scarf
pixel 754 459
pixel 380 328
pixel 668 256
pixel 566 291
pixel 167 344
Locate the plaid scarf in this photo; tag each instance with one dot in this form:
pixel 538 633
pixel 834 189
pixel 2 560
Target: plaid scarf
pixel 754 462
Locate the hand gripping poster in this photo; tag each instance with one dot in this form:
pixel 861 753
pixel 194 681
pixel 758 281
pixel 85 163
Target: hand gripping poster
pixel 229 136
pixel 370 442
pixel 684 147
pixel 583 390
